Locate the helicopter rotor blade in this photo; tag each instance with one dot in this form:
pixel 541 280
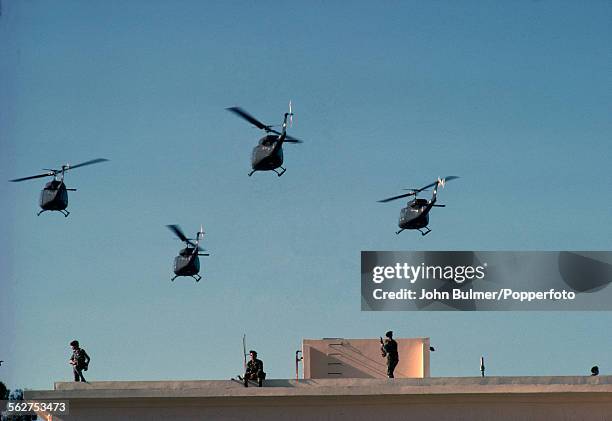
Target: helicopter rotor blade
pixel 82 164
pixel 440 181
pixel 292 139
pixel 195 249
pixel 50 173
pixel 66 167
pixel 396 197
pixel 450 177
pixel 413 192
pixel 248 117
pixel 288 139
pixel 179 233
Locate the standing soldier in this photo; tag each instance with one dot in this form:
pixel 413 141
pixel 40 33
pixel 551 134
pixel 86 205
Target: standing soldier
pixel 254 370
pixel 79 361
pixel 388 349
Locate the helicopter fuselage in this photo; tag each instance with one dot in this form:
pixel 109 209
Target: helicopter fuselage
pixel 268 154
pixel 415 215
pixel 54 197
pixel 187 262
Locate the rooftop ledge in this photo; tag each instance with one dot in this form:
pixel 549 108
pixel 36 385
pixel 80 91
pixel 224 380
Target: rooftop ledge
pixel 594 385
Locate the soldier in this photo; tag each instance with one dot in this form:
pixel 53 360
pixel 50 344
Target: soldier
pixel 79 361
pixel 389 349
pixel 254 370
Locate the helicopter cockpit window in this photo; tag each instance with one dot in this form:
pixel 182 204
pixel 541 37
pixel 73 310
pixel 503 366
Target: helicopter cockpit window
pixel 267 140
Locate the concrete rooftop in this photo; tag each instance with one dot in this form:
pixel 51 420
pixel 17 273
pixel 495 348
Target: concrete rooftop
pixel 595 386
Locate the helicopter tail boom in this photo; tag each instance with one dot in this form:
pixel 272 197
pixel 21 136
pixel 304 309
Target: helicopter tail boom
pixel 434 196
pixel 282 136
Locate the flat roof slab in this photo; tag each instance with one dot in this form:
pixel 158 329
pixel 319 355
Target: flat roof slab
pixel 327 387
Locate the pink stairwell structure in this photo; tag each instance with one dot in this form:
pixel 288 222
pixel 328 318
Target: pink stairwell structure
pixel 333 358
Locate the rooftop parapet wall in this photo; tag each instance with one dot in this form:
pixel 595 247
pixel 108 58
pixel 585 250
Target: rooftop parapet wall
pixel 439 399
pixel 329 387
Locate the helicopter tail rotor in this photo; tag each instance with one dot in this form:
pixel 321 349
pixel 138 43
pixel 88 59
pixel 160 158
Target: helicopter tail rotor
pixel 199 236
pixel 291 139
pixel 442 181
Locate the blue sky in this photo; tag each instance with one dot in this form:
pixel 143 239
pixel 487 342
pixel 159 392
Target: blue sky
pixel 514 97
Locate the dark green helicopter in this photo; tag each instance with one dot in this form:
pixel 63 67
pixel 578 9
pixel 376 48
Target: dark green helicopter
pixel 268 154
pixel 415 216
pixel 187 263
pixel 54 196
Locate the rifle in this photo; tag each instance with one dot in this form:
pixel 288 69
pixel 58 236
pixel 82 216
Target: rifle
pixel 382 348
pixel 80 362
pixel 244 350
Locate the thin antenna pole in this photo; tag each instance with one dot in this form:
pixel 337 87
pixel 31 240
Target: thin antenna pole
pixel 482 366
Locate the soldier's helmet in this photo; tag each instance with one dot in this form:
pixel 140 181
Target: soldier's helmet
pixel 253 352
pixel 389 334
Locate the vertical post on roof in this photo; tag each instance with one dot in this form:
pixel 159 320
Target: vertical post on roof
pixel 482 366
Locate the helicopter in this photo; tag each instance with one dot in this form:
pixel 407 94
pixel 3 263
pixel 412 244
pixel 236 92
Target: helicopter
pixel 187 262
pixel 54 196
pixel 268 154
pixel 416 213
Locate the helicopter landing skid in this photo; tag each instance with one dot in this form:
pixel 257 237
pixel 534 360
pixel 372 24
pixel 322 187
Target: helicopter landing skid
pixel 424 233
pixel 63 212
pixel 281 173
pixel 397 232
pixel 251 173
pixel 196 277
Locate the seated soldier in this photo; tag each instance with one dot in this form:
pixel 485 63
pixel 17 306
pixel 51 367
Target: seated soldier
pixel 254 370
